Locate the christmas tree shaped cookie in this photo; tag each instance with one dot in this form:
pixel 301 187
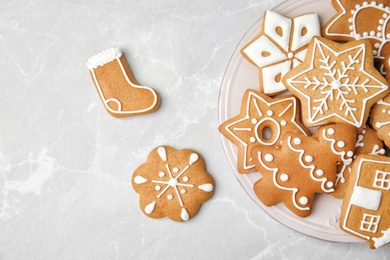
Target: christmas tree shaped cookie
pixel 302 166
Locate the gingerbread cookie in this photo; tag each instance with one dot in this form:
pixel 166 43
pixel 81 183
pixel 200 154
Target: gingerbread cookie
pixel 302 166
pixel 380 115
pixel 280 46
pixel 120 93
pixel 366 207
pixel 367 143
pixel 361 19
pixel 262 120
pixel 385 67
pixel 172 183
pixel 336 83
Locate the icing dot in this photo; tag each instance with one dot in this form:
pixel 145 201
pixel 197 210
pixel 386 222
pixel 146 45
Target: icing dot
pixel 284 177
pixel 330 131
pixel 350 154
pixel 365 34
pixel 377 45
pixel 268 157
pixel 381 5
pixel 380 28
pixel 351 27
pixel 388 112
pixel 381 21
pixel 303 200
pixel 183 191
pixel 388 36
pixel 336 84
pixel 365 3
pixel 378 124
pixel 329 184
pixel 357 6
pixel 290 55
pixel 372 33
pixel 319 172
pixel 308 158
pixel 297 140
pixel 379 34
pixel 364 131
pixel 252 139
pixel 185 178
pixel 158 187
pixel 385 15
pixel 352 11
pixel 341 144
pixel 270 113
pixel 161 174
pixel 254 121
pixel 169 197
pixel 175 169
pixel 172 182
pixel 350 20
pixel 384 111
pixel 358 36
pixel 283 122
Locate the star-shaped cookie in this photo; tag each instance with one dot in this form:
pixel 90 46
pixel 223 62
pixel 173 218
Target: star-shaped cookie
pixel 361 19
pixel 336 83
pixel 262 120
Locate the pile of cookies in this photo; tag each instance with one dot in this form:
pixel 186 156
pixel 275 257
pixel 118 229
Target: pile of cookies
pixel 331 82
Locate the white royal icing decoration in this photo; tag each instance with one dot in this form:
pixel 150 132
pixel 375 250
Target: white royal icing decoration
pixel 253 99
pixel 140 180
pixel 184 214
pixel 339 85
pixel 275 173
pixel 114 54
pixel 383 240
pixel 378 35
pixel 162 153
pixel 366 198
pixel 361 196
pixel 274 51
pixel 150 207
pixel 174 184
pixel 103 58
pixel 208 187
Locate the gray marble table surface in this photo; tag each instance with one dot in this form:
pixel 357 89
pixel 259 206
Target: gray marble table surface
pixel 66 164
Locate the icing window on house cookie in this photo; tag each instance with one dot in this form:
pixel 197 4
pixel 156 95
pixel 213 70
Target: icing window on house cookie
pixel 382 180
pixel 370 223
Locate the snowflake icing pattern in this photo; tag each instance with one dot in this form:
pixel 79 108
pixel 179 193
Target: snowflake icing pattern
pixel 172 183
pixel 333 82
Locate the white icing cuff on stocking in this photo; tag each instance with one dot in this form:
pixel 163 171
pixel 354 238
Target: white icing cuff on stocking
pixel 103 58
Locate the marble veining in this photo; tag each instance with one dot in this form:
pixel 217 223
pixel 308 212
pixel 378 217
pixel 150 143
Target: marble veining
pixel 66 164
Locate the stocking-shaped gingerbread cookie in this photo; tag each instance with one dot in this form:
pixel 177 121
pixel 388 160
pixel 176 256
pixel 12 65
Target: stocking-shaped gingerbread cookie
pixel 120 93
pixel 302 166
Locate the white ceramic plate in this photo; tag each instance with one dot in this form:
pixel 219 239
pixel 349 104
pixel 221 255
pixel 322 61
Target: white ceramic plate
pixel 241 75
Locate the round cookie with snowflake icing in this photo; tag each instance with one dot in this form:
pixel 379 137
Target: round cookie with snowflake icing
pixel 172 183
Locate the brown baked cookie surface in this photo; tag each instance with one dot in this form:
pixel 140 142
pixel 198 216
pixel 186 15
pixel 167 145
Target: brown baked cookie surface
pixel 336 83
pixel 262 120
pixel 361 19
pixel 380 115
pixel 302 166
pixel 280 46
pixel 172 183
pixel 120 93
pixel 366 207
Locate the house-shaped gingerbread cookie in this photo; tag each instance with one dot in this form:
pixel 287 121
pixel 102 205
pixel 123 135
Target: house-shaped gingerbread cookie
pixel 366 207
